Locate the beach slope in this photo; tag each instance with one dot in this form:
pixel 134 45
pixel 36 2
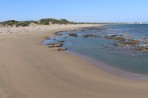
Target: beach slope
pixel 31 70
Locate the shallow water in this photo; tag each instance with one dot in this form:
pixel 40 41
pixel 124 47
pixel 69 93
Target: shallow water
pixel 105 50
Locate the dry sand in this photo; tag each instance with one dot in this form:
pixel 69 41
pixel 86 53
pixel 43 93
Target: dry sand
pixel 30 70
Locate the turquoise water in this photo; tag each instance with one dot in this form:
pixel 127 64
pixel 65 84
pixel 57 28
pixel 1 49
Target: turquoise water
pixel 105 50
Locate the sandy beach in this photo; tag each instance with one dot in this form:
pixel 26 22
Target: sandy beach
pixel 30 70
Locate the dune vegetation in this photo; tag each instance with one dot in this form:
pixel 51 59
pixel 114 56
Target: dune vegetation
pixel 46 21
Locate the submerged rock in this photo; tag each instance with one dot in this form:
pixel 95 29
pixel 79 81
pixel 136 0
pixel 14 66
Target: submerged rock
pixel 130 42
pixel 61 49
pixel 73 34
pixel 90 35
pixel 115 37
pixel 52 45
pixel 145 41
pixel 142 47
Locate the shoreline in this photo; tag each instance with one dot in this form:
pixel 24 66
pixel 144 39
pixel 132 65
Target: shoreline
pixel 109 69
pixel 105 66
pixel 30 70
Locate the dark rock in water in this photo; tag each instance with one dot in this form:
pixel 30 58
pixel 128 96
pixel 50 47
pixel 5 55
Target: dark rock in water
pixel 90 35
pixel 115 37
pixel 122 40
pixel 73 34
pixel 58 45
pixel 61 49
pixel 145 41
pixel 133 42
pixel 130 42
pixel 143 47
pixel 52 45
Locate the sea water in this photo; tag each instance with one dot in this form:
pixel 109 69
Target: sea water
pixel 102 49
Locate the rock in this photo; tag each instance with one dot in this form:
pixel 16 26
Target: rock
pixel 73 34
pixel 142 47
pixel 90 35
pixel 146 41
pixel 115 37
pixel 52 45
pixel 61 49
pixel 58 45
pixel 130 42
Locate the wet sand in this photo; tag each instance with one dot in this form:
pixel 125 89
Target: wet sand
pixel 30 70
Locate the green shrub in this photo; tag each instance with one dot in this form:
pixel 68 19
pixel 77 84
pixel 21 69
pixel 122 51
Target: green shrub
pixel 53 21
pixel 41 21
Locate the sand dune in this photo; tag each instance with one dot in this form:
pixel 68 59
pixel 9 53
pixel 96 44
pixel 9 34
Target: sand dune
pixel 30 70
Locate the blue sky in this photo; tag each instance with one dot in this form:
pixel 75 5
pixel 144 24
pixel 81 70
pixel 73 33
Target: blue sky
pixel 76 10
